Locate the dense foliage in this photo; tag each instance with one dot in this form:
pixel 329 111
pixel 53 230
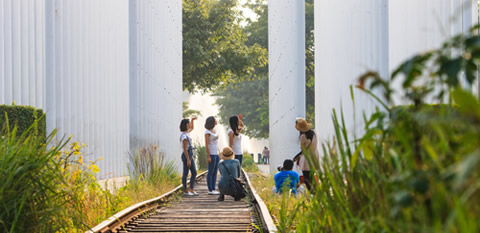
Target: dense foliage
pixel 54 188
pixel 416 167
pixel 23 117
pixel 30 192
pixel 246 98
pixel 214 48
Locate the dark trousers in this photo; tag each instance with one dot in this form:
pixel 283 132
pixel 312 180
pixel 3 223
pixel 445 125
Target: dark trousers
pixel 239 158
pixel 212 172
pixel 308 180
pixel 192 169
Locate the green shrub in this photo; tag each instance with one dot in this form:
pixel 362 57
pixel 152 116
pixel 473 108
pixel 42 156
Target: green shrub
pixel 201 154
pixel 23 117
pixel 148 165
pixel 248 163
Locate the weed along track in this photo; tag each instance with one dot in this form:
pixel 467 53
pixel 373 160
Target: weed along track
pixel 203 213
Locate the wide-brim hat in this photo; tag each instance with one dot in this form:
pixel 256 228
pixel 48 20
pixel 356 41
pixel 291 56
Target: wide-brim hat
pixel 226 153
pixel 302 125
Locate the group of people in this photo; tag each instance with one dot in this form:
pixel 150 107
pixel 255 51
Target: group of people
pixel 232 157
pixel 308 157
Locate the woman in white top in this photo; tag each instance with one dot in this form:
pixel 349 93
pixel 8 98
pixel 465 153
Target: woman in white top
pixel 211 145
pixel 187 156
pixel 234 136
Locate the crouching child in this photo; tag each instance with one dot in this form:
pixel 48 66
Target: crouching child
pixel 287 179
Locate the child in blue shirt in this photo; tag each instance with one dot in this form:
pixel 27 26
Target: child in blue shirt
pixel 287 174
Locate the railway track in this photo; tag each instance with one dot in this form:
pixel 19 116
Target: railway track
pixel 203 213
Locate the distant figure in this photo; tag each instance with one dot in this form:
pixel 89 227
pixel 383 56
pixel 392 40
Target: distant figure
pixel 235 138
pixel 286 174
pixel 259 156
pixel 231 166
pixel 309 154
pixel 211 146
pixel 266 155
pixel 186 126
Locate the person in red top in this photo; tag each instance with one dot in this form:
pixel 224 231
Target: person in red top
pixel 266 155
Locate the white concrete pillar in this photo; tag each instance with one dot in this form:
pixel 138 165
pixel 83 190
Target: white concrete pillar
pixel 416 26
pixel 351 37
pixel 286 42
pixel 87 78
pixel 156 75
pixel 22 52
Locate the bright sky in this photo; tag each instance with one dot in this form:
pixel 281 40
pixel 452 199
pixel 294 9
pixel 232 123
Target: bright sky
pixel 248 13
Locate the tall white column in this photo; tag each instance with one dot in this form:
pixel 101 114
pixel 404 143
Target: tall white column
pixel 417 26
pixel 156 75
pixel 351 37
pixel 286 42
pixel 87 78
pixel 22 52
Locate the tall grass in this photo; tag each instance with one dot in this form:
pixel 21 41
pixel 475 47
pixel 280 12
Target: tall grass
pixel 284 208
pixel 416 168
pixel 150 166
pixel 150 177
pixel 55 189
pixel 31 197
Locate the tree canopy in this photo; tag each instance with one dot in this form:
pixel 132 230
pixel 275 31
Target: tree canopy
pixel 250 99
pixel 214 45
pixel 250 96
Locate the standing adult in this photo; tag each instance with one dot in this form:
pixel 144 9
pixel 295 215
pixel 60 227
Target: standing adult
pixel 309 156
pixel 211 146
pixel 266 155
pixel 228 167
pixel 186 126
pixel 235 138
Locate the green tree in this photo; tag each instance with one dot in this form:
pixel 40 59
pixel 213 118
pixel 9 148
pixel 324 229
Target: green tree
pixel 187 112
pixel 254 91
pixel 214 48
pixel 244 98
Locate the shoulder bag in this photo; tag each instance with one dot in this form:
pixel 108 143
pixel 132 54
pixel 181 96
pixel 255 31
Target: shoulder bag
pixel 236 185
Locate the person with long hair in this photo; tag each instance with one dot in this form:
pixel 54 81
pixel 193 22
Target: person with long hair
pixel 186 126
pixel 235 138
pixel 309 156
pixel 211 146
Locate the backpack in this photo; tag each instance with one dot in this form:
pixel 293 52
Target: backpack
pixel 236 185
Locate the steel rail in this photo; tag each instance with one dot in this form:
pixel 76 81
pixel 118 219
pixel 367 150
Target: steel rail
pixel 130 214
pixel 268 226
pixel 125 216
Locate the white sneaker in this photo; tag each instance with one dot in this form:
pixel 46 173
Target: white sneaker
pixel 214 192
pixel 211 193
pixel 195 193
pixel 189 194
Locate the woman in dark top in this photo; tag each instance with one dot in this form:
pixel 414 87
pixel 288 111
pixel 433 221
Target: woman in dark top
pixel 233 167
pixel 310 156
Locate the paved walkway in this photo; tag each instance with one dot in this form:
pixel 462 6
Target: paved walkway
pixel 265 169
